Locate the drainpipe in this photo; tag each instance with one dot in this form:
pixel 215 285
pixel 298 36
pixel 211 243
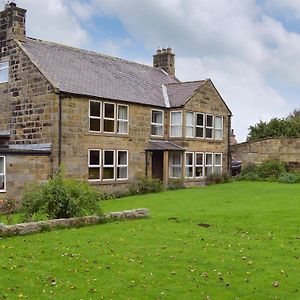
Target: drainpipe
pixel 229 141
pixel 59 128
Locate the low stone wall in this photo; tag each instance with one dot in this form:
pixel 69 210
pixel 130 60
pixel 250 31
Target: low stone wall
pixel 286 150
pixel 35 227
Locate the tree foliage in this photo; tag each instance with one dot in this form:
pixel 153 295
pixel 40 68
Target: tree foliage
pixel 288 127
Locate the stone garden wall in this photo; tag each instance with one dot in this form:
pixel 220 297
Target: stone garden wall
pixel 286 150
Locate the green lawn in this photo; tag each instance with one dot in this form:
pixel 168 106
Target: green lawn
pixel 251 250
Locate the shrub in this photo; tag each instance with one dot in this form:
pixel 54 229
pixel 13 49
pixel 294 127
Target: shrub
pixel 60 198
pixel 289 177
pixel 145 185
pixel 216 178
pixel 8 207
pixel 268 170
pixel 176 184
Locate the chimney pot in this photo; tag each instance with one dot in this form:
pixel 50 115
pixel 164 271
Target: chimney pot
pixel 169 50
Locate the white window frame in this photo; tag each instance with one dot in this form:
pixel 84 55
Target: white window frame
pixel 95 117
pixel 122 166
pixel 158 124
pixel 219 129
pixel 219 166
pixel 209 127
pixel 174 125
pixel 113 166
pixel 212 162
pixel 4 67
pixel 172 166
pixel 190 126
pixel 4 173
pixel 200 166
pixel 123 120
pixel 189 166
pixel 109 119
pixel 200 126
pixel 95 166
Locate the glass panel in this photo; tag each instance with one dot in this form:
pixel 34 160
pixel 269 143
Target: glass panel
pixel 94 157
pixel 109 110
pixel 218 134
pixel 200 120
pixel 176 131
pixel 189 171
pixel 199 159
pixel 209 121
pixel 157 117
pixel 94 173
pixel 199 132
pixel 122 158
pixel 176 172
pixel 94 124
pixel 157 130
pixel 176 158
pixel 176 118
pixel 189 118
pixel 2 184
pixel 122 172
pixel 218 170
pixel 199 171
pixel 218 159
pixel 95 109
pixel 218 122
pixel 4 72
pixel 109 158
pixel 189 131
pixel 1 165
pixel 109 125
pixel 108 173
pixel 189 159
pixel 208 171
pixel 122 112
pixel 208 133
pixel 122 127
pixel 209 161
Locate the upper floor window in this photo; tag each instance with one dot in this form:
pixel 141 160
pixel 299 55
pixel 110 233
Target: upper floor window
pixel 95 116
pixel 176 124
pixel 107 118
pixel 4 66
pixel 209 126
pixel 189 128
pixel 2 174
pixel 199 125
pixel 157 123
pixel 122 119
pixel 218 127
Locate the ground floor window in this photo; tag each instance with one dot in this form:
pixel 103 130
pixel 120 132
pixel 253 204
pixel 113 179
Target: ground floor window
pixel 175 164
pixel 200 164
pixel 2 174
pixel 107 165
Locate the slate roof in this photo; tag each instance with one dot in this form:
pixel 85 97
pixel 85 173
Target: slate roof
pixel 155 145
pixel 91 74
pixel 182 91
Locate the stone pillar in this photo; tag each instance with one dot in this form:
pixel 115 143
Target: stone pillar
pixel 166 168
pixel 165 60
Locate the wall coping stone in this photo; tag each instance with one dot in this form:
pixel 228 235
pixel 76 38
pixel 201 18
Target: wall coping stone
pixel 36 227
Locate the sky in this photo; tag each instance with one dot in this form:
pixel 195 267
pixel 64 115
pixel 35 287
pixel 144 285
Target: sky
pixel 250 49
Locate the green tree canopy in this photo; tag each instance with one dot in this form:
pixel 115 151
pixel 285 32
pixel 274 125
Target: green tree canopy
pixel 276 128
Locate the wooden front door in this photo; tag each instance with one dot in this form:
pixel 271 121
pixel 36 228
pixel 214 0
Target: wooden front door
pixel 158 164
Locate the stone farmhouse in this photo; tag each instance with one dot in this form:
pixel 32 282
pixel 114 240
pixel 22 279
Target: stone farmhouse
pixel 105 119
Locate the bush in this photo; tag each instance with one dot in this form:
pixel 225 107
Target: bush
pixel 176 184
pixel 269 170
pixel 8 207
pixel 216 178
pixel 289 177
pixel 60 198
pixel 145 185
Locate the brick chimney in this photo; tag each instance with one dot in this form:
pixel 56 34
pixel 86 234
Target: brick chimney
pixel 165 60
pixel 12 23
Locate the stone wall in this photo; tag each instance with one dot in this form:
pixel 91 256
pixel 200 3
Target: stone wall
pixel 35 227
pixel 23 170
pixel 287 150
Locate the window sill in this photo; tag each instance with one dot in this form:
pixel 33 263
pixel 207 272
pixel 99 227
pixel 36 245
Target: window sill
pixel 93 133
pixel 108 182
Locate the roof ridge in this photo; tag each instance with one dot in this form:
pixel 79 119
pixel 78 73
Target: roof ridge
pixel 185 82
pixel 97 54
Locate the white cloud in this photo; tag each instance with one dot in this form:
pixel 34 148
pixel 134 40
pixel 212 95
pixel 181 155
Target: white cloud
pixel 52 20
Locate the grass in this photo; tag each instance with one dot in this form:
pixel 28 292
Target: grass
pixel 251 250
